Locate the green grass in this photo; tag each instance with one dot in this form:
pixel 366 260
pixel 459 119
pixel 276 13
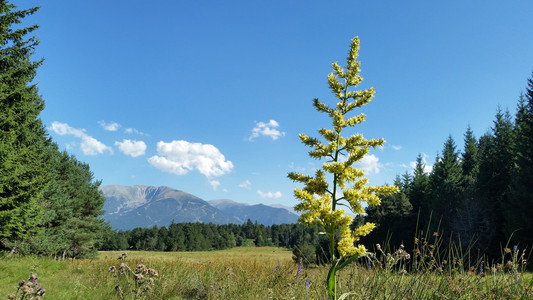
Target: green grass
pixel 253 273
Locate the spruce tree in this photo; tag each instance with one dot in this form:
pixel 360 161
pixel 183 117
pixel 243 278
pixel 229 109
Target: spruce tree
pixel 519 220
pixel 419 196
pixel 446 180
pixel 23 140
pixel 468 219
pixel 495 166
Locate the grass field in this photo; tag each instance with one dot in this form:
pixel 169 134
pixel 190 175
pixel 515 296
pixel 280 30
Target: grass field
pixel 249 273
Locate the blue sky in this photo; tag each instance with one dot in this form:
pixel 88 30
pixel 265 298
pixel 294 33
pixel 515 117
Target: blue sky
pixel 209 96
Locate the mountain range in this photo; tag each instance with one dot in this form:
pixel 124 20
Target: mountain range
pixel 128 207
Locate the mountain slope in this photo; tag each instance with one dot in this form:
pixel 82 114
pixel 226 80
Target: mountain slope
pixel 261 213
pixel 128 207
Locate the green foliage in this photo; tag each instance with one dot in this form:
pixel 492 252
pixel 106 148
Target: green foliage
pixel 304 253
pixel 518 217
pixel 49 202
pixel 23 142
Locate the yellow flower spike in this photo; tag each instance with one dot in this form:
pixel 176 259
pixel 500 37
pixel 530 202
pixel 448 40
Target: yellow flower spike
pixel 364 229
pixel 319 199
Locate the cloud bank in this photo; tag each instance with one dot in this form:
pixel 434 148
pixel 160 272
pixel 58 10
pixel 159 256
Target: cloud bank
pixel 266 129
pixel 89 145
pixel 180 157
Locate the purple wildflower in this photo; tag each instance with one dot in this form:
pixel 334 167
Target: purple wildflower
pixel 307 284
pixel 21 283
pixel 515 248
pixel 300 268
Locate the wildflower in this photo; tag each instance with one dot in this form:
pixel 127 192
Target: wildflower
pixel 435 234
pixel 515 247
pixel 307 284
pixel 300 268
pixel 507 250
pixel 378 246
pixel 139 276
pixel 21 283
pixel 153 272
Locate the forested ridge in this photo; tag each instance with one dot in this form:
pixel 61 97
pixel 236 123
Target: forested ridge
pixel 49 201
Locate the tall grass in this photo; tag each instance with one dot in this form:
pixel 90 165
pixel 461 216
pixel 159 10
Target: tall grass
pixel 270 273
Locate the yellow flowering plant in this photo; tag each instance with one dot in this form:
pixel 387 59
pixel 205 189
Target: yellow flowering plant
pixel 320 201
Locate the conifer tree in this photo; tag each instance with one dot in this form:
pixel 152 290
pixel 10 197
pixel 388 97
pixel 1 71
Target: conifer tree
pixel 467 221
pixel 419 195
pixel 320 200
pixel 446 180
pixel 495 165
pixel 23 141
pixel 519 220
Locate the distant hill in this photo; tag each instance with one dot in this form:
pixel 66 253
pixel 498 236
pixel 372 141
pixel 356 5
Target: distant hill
pixel 128 207
pixel 263 214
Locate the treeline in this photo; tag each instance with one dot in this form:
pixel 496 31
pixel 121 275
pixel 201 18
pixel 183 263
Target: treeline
pixel 481 195
pixel 49 201
pixel 202 237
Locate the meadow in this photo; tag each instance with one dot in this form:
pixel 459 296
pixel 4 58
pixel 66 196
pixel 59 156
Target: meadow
pixel 256 273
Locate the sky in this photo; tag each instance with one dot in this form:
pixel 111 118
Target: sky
pixel 209 97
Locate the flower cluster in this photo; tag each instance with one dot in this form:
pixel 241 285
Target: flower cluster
pixel 319 200
pixel 29 289
pixel 138 281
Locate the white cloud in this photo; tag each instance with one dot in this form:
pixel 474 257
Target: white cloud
pixel 134 131
pixel 89 145
pixel 269 195
pixel 267 129
pixel 427 168
pixel 246 184
pixel 397 148
pixel 180 157
pixel 113 126
pixel 131 148
pixel 370 164
pixel 214 184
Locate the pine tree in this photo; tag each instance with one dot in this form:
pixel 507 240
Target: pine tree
pixel 23 140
